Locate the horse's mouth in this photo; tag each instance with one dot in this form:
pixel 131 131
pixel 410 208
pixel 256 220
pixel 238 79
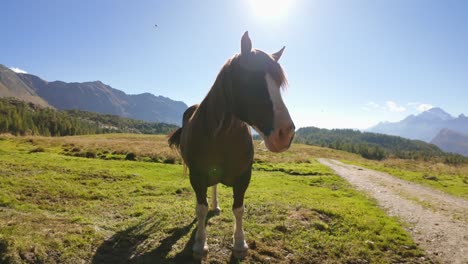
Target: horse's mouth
pixel 277 147
pixel 277 142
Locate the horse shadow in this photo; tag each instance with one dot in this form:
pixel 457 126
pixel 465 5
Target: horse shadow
pixel 122 247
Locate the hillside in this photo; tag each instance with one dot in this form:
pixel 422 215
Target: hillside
pixel 373 145
pixel 90 96
pixel 451 141
pixel 424 126
pixel 11 85
pixel 119 124
pixel 22 118
pixel 101 98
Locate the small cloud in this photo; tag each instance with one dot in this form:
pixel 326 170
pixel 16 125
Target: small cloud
pixel 424 107
pixel 372 105
pixel 420 107
pixel 369 106
pixel 394 107
pixel 17 70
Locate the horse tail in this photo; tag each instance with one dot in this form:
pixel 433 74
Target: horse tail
pixel 174 138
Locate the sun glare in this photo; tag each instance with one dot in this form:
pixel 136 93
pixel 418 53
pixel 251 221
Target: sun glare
pixel 270 9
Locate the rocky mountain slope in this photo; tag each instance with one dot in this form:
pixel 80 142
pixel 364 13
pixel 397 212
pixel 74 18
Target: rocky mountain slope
pixel 11 85
pixel 90 96
pixel 451 141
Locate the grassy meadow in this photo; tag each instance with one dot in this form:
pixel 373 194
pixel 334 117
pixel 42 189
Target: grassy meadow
pixel 451 179
pixel 123 198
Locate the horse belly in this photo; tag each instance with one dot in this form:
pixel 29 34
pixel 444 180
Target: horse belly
pixel 222 161
pixel 217 171
pixel 236 163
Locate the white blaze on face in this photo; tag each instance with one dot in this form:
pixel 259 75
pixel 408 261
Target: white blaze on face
pixel 277 141
pixel 280 112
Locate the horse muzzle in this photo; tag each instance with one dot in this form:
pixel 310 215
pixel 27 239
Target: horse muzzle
pixel 280 139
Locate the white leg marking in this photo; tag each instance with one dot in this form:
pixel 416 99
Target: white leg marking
pixel 214 199
pixel 240 246
pixel 200 247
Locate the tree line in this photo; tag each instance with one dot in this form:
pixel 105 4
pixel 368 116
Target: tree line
pixel 375 146
pixel 21 118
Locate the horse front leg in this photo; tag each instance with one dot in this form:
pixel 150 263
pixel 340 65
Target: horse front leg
pixel 200 247
pixel 240 247
pixel 214 199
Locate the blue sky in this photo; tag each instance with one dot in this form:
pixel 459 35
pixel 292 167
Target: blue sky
pixel 350 63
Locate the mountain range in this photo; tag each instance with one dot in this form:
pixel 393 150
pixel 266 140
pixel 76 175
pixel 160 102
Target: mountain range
pixel 90 96
pixel 434 125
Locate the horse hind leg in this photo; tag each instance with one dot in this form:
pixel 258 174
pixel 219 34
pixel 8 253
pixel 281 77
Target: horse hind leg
pixel 214 200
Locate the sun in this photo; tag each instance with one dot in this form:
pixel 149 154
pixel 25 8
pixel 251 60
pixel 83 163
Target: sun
pixel 270 9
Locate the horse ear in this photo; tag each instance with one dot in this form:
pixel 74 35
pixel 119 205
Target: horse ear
pixel 278 54
pixel 246 44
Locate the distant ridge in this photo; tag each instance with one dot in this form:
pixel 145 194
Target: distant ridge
pixel 90 96
pixel 424 126
pixel 375 146
pixel 11 85
pixel 451 141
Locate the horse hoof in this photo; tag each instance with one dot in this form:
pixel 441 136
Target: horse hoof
pixel 239 254
pixel 216 210
pixel 240 249
pixel 200 252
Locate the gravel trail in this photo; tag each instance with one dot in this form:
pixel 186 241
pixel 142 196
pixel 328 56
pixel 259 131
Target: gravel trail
pixel 437 221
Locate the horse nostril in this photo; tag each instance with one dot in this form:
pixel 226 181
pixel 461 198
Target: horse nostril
pixel 289 131
pixel 292 129
pixel 281 134
pixel 286 131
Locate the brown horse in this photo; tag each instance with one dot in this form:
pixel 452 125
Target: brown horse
pixel 215 140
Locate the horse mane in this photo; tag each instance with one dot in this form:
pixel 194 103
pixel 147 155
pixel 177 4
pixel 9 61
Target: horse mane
pixel 218 97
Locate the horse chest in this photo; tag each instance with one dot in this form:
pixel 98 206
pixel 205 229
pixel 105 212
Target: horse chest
pixel 221 160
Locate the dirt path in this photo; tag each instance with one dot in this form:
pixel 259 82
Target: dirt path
pixel 437 222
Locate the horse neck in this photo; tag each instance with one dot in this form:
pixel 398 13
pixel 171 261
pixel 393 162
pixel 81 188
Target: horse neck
pixel 215 108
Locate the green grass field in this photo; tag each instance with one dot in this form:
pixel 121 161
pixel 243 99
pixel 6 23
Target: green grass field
pixel 56 206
